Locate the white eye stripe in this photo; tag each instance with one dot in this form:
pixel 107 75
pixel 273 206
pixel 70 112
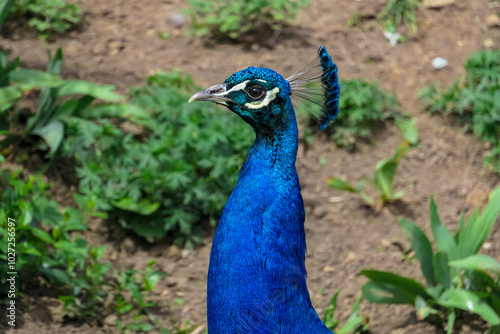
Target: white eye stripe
pixel 237 87
pixel 270 96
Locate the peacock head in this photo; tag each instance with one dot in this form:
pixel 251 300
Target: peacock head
pixel 258 95
pixel 262 97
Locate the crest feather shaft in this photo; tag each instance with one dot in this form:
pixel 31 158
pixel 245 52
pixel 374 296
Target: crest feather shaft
pixel 325 72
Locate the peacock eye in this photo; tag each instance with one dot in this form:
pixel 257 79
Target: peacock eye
pixel 255 91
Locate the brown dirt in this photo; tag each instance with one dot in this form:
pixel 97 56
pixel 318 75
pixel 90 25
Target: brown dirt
pixel 118 44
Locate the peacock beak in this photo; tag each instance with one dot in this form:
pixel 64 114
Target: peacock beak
pixel 213 94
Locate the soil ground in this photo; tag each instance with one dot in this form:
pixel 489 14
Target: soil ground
pixel 119 44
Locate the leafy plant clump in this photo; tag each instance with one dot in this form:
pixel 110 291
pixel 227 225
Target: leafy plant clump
pixel 456 276
pixel 400 11
pixel 361 104
pixel 53 255
pixel 385 171
pixel 48 16
pixel 236 17
pixel 41 244
pixel 475 101
pixel 178 175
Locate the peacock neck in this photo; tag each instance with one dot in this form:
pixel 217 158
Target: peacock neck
pixel 274 151
pixel 257 276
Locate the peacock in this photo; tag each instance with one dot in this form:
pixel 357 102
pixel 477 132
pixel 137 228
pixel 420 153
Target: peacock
pixel 257 275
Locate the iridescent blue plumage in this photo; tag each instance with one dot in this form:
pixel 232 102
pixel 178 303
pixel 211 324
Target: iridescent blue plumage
pixel 257 276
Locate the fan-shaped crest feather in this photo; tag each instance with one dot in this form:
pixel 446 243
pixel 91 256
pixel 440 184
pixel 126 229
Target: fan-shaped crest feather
pixel 328 95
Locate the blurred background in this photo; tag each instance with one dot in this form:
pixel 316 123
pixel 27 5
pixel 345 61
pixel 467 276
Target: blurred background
pixel 116 184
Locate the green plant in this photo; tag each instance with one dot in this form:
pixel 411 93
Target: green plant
pixel 362 104
pixel 9 95
pixel 236 17
pixel 455 276
pixel 47 246
pixel 5 8
pixel 55 104
pixel 354 20
pixel 355 323
pixel 475 101
pixel 42 234
pixel 48 15
pixel 396 12
pixel 5 69
pixel 129 292
pixel 385 171
pixel 179 175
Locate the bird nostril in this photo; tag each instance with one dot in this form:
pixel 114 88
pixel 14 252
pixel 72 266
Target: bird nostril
pixel 216 90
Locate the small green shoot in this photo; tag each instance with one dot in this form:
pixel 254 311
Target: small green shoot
pixel 385 171
pixel 355 324
pixel 397 12
pixel 163 35
pixel 354 20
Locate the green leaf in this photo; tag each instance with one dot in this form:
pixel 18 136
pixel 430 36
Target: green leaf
pixel 329 314
pixel 423 309
pixel 125 308
pixel 435 291
pixel 5 9
pixel 136 294
pixel 152 279
pixel 8 97
pixel 386 170
pixel 477 262
pixel 355 322
pixel 150 230
pixel 396 195
pixel 69 107
pixel 452 314
pixel 143 206
pixel 55 63
pixel 339 184
pixel 28 79
pixel 461 225
pixel 422 247
pixel 386 293
pixel 32 251
pixel 442 236
pixel 477 231
pixel 441 269
pixel 386 287
pixel 52 133
pixel 42 235
pixel 88 88
pixel 59 275
pixel 409 129
pixel 468 301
